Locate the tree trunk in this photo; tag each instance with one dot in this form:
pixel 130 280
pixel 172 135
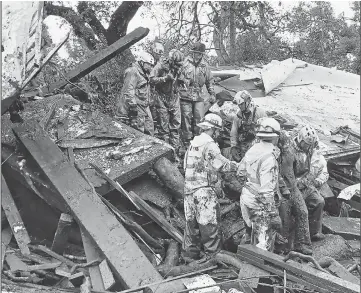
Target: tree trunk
pixel 232 33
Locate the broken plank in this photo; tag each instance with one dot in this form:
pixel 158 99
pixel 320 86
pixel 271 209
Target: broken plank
pixel 92 253
pixel 348 228
pixel 106 274
pixel 5 103
pixel 161 221
pixel 129 263
pixel 47 266
pixel 14 218
pixel 95 61
pixel 62 233
pixel 15 263
pixel 262 265
pixel 6 235
pixel 53 254
pixel 310 274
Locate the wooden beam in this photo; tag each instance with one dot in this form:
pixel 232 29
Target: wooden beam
pixel 307 273
pixel 94 62
pixel 127 260
pixel 5 103
pixel 14 218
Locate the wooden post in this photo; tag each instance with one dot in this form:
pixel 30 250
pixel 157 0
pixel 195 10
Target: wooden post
pixel 14 218
pixel 62 233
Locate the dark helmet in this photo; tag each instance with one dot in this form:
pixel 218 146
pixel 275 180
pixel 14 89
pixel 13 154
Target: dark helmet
pixel 176 56
pixel 199 48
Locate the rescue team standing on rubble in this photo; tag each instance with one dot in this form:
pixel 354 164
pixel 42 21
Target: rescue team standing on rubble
pixel 282 175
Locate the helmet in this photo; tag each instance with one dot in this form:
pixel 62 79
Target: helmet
pixel 158 48
pixel 211 121
pixel 268 127
pixel 242 96
pixel 198 47
pixel 308 135
pixel 145 57
pixel 176 56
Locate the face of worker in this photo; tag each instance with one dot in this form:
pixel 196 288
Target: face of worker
pixel 305 147
pixel 147 67
pixel 197 57
pixel 245 107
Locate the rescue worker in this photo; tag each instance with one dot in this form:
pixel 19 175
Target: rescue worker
pixel 293 204
pixel 164 77
pixel 304 146
pixel 195 74
pixel 202 164
pixel 259 167
pixel 157 51
pixel 133 103
pixel 243 130
pixel 318 174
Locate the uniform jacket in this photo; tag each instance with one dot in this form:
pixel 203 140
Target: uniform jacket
pixel 202 163
pixel 260 168
pixel 136 89
pixel 156 77
pixel 193 78
pixel 243 127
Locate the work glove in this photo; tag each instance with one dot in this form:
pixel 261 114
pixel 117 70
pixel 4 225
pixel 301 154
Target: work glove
pixel 301 184
pixel 276 223
pixel 168 77
pixel 235 154
pixel 212 99
pixel 317 183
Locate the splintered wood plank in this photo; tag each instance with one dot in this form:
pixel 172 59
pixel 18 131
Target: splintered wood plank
pixel 95 61
pixel 15 263
pixel 6 236
pixel 107 274
pixel 14 218
pixel 92 253
pixel 130 264
pixel 348 228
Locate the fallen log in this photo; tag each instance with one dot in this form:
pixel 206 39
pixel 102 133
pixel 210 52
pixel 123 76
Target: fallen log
pixel 172 255
pixel 173 271
pixel 170 176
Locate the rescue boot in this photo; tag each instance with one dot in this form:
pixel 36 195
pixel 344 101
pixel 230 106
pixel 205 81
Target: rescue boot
pixel 304 250
pixel 318 237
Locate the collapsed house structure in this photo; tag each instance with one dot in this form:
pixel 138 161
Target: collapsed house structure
pixel 90 204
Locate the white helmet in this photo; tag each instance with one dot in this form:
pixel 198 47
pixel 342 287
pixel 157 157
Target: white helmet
pixel 242 96
pixel 308 134
pixel 268 127
pixel 211 121
pixel 158 48
pixel 145 57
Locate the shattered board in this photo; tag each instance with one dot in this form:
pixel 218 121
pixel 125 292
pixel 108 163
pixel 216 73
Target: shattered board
pixel 201 281
pixel 94 137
